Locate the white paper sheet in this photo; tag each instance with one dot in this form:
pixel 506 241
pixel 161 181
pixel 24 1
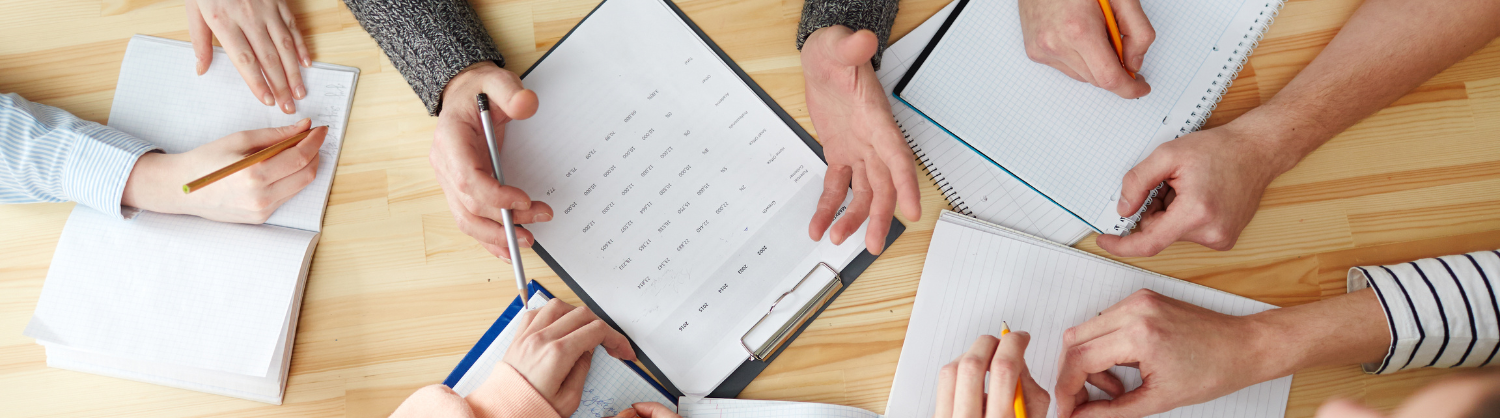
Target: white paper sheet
pixel 611 386
pixel 682 201
pixel 978 275
pixel 976 186
pixel 746 408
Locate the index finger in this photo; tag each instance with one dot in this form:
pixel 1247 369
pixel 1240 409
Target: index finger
pixel 1007 366
pixel 1079 361
pixel 1108 72
pixel 1155 236
pixel 243 57
pixel 598 333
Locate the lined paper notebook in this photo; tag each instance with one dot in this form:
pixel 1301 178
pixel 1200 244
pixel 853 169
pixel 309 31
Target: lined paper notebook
pixel 979 274
pixel 973 185
pixel 612 385
pixel 1070 141
pixel 180 300
pixel 746 408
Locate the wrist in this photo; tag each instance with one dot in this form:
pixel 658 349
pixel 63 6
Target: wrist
pixel 150 184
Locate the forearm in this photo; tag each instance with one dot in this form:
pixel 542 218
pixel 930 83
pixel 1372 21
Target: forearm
pixel 429 41
pixel 1347 329
pixel 1387 48
pixel 876 15
pixel 49 155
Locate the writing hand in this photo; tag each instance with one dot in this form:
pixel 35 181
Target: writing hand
pixel 647 410
pixel 961 384
pixel 461 157
pixel 860 139
pixel 1217 178
pixel 555 347
pixel 1071 36
pixel 248 196
pixel 1187 355
pixel 261 39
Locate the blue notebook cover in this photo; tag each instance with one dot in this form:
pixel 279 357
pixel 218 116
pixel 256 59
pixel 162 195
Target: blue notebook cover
pixel 499 325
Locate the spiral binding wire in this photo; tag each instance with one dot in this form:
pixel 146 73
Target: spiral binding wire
pixel 943 186
pixel 1226 76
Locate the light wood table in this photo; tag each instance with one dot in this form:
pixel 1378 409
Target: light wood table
pixel 397 294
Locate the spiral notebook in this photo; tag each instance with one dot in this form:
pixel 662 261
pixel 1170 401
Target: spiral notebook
pixel 1069 141
pixel 973 185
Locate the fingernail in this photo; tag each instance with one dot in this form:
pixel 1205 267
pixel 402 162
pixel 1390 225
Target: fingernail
pixel 202 67
pixel 267 99
pixel 541 217
pixel 505 256
pixel 289 107
pixel 525 242
pixel 306 62
pixel 301 92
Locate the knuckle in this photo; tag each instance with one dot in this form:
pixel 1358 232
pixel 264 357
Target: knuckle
pixel 260 203
pixel 288 43
pixel 1070 337
pixel 1075 27
pixel 948 372
pixel 1109 82
pixel 244 58
pixel 1006 367
pixel 970 364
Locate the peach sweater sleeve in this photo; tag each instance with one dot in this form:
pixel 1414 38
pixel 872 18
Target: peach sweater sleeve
pixel 506 394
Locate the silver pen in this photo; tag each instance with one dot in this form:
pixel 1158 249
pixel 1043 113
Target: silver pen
pixel 510 226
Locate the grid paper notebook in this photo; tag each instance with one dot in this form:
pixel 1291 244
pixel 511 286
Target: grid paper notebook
pixel 612 385
pixel 979 274
pixel 179 300
pixel 746 408
pixel 973 185
pixel 1070 141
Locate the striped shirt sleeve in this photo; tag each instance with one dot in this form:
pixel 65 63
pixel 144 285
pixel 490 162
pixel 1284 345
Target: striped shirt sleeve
pixel 49 155
pixel 1442 312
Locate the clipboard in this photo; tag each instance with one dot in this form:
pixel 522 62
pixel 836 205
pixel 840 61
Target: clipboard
pixel 754 363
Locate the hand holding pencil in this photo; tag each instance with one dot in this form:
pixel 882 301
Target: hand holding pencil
pixel 1100 42
pixel 259 185
pixel 997 364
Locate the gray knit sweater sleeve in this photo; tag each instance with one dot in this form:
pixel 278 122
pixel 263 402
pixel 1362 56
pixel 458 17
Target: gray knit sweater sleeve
pixel 429 41
pixel 876 15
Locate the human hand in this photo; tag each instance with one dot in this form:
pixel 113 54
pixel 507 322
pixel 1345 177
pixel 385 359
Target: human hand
pixel 1071 36
pixel 555 347
pixel 1186 354
pixel 261 39
pixel 861 142
pixel 248 196
pixel 961 384
pixel 647 410
pixel 461 157
pixel 1217 177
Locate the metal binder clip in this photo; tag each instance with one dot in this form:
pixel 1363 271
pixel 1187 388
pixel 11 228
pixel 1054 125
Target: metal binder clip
pixel 804 314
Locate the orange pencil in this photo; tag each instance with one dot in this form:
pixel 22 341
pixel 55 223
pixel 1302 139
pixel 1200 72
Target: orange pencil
pixel 249 160
pixel 1020 404
pixel 1114 34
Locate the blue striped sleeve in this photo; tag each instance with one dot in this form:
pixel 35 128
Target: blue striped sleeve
pixel 1441 312
pixel 49 155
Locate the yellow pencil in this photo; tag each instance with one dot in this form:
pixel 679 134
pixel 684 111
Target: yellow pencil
pixel 1020 403
pixel 1114 34
pixel 249 160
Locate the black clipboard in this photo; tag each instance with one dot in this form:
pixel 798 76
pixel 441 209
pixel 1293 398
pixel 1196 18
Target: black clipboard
pixel 747 371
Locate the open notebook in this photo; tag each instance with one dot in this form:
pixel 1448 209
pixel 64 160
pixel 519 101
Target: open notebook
pixel 1070 141
pixel 612 385
pixel 180 300
pixel 973 185
pixel 979 274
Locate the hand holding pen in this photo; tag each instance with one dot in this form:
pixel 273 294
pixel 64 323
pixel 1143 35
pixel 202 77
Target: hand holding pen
pixel 1100 42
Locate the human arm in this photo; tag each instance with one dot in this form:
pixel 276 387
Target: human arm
pixel 840 42
pixel 262 41
pixel 445 53
pixel 1435 312
pixel 1070 35
pixel 1387 48
pixel 49 155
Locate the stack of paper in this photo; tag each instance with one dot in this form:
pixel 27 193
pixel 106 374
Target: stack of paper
pixel 179 300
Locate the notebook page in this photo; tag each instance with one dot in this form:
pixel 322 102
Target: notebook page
pixel 681 199
pixel 745 408
pixel 160 99
pixel 977 275
pixel 1070 140
pixel 986 191
pixel 611 386
pixel 172 289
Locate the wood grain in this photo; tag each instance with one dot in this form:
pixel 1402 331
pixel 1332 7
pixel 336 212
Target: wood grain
pixel 397 294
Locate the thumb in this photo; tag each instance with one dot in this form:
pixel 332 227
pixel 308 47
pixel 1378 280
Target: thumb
pixel 261 138
pixel 857 48
pixel 1143 178
pixel 514 99
pixel 654 410
pixel 1136 403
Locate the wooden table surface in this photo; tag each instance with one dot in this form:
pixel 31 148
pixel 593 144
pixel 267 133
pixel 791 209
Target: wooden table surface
pixel 397 294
